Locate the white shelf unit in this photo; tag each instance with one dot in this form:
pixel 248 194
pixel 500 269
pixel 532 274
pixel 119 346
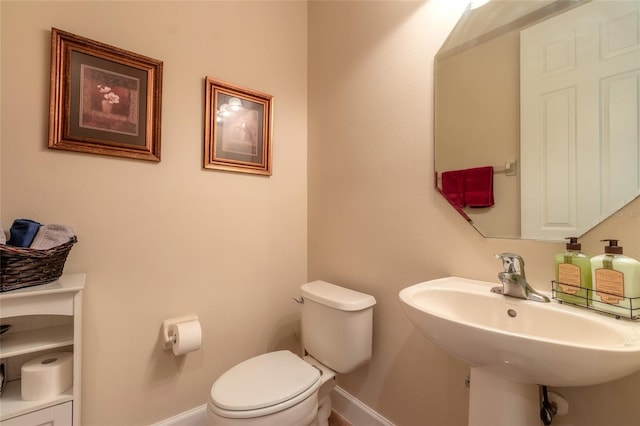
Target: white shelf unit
pixel 61 297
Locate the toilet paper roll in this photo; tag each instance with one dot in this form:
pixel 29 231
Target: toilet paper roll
pixel 188 337
pixel 47 375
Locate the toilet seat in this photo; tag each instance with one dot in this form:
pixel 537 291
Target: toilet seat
pixel 263 385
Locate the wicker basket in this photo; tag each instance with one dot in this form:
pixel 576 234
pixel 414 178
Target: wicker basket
pixel 25 267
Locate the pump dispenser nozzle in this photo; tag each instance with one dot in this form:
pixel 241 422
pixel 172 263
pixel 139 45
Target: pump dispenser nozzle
pixel 613 247
pixel 573 243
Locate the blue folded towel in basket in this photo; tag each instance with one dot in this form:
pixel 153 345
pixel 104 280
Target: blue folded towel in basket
pixel 22 232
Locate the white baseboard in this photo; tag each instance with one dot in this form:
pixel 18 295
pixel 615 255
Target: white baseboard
pixel 355 411
pixel 343 402
pixel 194 417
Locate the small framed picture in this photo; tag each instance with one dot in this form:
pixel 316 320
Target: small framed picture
pixel 238 127
pixel 104 100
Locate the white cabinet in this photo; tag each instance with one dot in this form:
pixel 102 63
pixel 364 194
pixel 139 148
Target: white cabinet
pixel 58 415
pixel 28 306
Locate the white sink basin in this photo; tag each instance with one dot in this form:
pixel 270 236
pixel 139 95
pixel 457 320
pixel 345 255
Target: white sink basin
pixel 523 341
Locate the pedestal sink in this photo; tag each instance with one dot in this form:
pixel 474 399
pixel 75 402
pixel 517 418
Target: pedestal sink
pixel 513 345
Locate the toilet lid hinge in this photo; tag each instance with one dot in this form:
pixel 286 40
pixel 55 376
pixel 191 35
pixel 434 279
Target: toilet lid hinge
pixel 319 369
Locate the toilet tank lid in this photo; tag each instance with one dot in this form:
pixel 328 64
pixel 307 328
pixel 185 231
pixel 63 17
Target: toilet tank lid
pixel 337 297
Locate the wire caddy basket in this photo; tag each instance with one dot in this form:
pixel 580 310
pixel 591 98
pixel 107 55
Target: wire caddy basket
pixel 628 308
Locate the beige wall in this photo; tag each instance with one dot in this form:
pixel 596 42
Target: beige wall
pixel 158 240
pixel 376 224
pixel 167 239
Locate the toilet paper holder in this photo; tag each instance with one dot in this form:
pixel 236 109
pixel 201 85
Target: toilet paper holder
pixel 169 340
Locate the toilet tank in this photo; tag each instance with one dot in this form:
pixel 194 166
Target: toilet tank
pixel 337 325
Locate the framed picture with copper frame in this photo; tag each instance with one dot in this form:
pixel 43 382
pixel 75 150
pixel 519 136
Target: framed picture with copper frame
pixel 104 100
pixel 238 128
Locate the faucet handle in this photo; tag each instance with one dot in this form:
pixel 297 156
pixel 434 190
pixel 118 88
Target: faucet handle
pixel 511 262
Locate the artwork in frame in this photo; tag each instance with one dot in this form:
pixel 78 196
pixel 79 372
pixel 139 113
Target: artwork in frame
pixel 238 128
pixel 104 100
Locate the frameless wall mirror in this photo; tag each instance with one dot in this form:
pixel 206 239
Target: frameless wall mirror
pixel 537 116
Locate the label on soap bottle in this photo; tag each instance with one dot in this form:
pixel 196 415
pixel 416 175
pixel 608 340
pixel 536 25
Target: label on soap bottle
pixel 569 278
pixel 611 282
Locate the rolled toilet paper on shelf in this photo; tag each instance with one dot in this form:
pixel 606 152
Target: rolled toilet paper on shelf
pixel 188 337
pixel 47 375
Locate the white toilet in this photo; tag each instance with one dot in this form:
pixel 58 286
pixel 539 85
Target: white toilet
pixel 280 388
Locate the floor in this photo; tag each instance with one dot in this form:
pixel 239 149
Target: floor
pixel 199 419
pixel 337 420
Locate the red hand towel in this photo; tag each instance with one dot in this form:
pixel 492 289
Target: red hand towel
pixel 478 186
pixel 453 187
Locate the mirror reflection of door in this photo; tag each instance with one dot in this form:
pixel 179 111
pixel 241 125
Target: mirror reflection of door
pixel 580 82
pixel 477 118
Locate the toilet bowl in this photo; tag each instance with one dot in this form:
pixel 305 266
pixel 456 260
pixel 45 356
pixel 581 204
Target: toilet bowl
pixel 282 389
pixel 273 389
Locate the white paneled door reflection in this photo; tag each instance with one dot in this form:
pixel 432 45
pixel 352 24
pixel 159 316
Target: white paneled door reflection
pixel 580 83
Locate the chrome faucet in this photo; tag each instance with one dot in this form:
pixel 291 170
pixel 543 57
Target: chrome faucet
pixel 514 281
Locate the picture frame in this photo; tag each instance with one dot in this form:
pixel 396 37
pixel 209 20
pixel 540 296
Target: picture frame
pixel 238 128
pixel 104 100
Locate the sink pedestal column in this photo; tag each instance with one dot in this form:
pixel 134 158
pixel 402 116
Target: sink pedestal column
pixel 496 401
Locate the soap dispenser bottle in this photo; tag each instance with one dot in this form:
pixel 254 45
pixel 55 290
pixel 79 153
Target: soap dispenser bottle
pixel 573 274
pixel 616 281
